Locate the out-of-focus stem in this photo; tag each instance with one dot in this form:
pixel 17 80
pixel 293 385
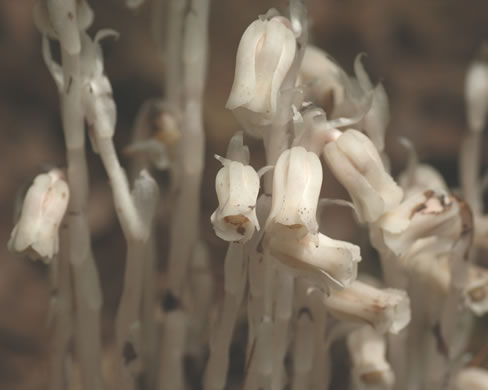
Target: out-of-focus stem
pixel 62 314
pixel 469 166
pixel 235 284
pixel 85 276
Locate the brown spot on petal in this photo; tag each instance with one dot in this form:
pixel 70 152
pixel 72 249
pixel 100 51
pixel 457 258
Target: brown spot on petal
pixel 70 15
pixel 371 378
pixel 236 219
pixel 477 294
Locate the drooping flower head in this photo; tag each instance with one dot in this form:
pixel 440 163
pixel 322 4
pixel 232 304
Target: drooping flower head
pixel 44 206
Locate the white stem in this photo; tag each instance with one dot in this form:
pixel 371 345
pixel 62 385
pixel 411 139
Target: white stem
pixel 469 167
pixel 62 311
pixel 173 46
pixel 283 311
pixel 87 314
pixel 128 335
pixel 235 283
pixel 172 347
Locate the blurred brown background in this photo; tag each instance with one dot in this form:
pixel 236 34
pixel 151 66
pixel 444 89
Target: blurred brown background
pixel 420 49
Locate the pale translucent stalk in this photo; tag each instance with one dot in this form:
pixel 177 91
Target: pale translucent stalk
pixel 150 331
pixel 85 275
pixel 201 286
pixel 173 52
pixel 469 167
pixel 61 311
pixel 235 276
pixel 172 347
pixel 129 361
pixel 283 311
pixel 186 213
pixel 305 342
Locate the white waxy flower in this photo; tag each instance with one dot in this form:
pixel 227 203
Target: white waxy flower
pixel 370 369
pixel 63 20
pixel 44 206
pixel 386 310
pixel 472 378
pixel 476 92
pixel 422 215
pixel 265 55
pixel 297 180
pixel 331 261
pixel 237 186
pixel 355 162
pixel 97 99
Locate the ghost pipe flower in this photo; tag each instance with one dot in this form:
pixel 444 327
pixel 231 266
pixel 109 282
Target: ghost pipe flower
pixel 331 261
pixel 297 180
pixel 265 55
pixel 431 213
pixel 386 310
pixel 36 232
pixel 237 186
pixel 370 369
pixel 355 162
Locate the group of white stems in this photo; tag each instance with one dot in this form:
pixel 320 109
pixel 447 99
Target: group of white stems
pixel 303 287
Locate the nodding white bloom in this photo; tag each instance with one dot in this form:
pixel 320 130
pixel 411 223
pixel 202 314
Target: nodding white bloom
pixel 476 92
pixel 44 206
pixel 355 162
pixel 472 378
pixel 422 215
pixel 386 310
pixel 63 20
pixel 331 261
pixel 297 180
pixel 344 96
pixel 97 99
pixel 370 369
pixel 237 186
pixel 265 55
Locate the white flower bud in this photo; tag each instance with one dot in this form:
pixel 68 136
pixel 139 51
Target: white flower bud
pixel 386 310
pixel 472 378
pixel 370 370
pixel 355 162
pixel 431 213
pixel 63 20
pixel 43 209
pixel 476 93
pixel 297 180
pixel 237 187
pixel 100 109
pixel 332 261
pixel 265 55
